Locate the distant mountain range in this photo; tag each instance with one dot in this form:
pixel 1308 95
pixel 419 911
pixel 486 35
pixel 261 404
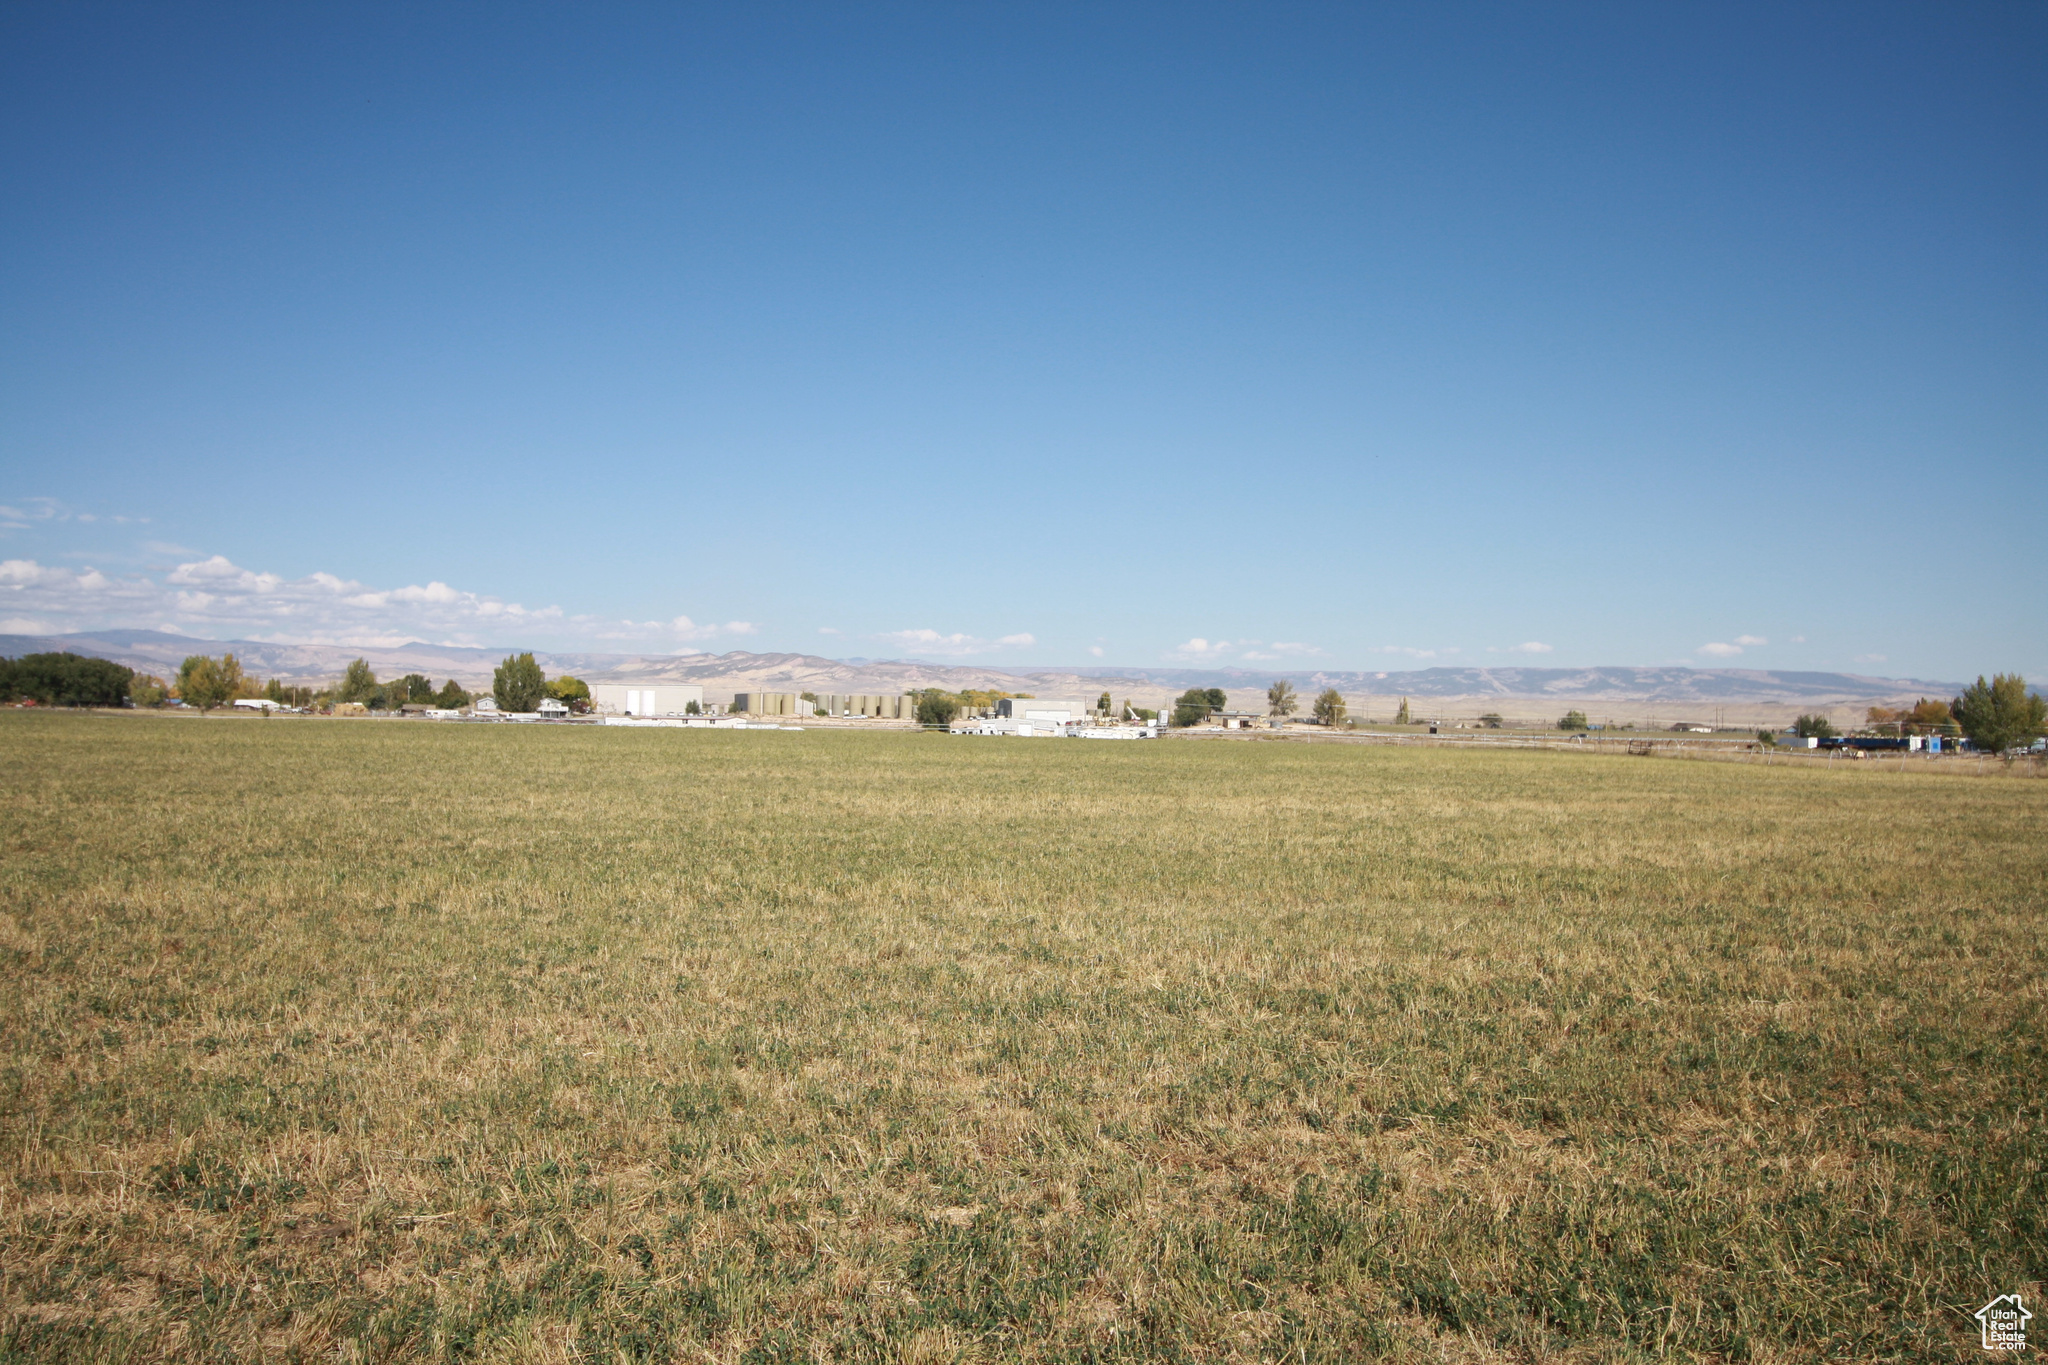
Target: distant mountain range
pixel 152 651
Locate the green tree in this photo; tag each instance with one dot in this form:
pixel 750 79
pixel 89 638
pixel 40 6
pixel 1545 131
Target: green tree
pixel 1329 707
pixel 1280 699
pixel 1492 720
pixel 1767 739
pixel 1573 720
pixel 237 683
pixel 1217 701
pixel 691 708
pixel 518 684
pixel 1813 726
pixel 936 706
pixel 67 679
pixel 452 696
pixel 2000 715
pixel 574 691
pixel 146 689
pixel 1103 704
pixel 1401 716
pixel 1192 707
pixel 418 688
pixel 358 683
pixel 201 684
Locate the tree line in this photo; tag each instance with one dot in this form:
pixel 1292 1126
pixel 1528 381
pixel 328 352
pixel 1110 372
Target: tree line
pixel 64 680
pixel 1198 704
pixel 1997 715
pixel 206 683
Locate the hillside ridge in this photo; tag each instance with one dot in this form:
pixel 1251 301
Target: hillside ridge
pixel 160 652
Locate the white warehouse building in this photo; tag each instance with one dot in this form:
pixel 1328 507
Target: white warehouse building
pixel 1057 710
pixel 645 699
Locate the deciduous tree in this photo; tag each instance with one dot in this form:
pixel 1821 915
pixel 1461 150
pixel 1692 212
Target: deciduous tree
pixel 1573 720
pixel 936 706
pixel 358 683
pixel 2001 714
pixel 201 684
pixel 1192 707
pixel 237 683
pixel 1329 707
pixel 1814 726
pixel 1280 699
pixel 518 684
pixel 65 679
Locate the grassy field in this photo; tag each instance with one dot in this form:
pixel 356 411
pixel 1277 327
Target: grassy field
pixel 388 1041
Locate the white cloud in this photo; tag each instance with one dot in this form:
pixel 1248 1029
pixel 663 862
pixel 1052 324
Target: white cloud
pixel 1719 650
pixel 1526 647
pixel 1410 651
pixel 1799 639
pixel 683 628
pixel 928 641
pixel 1096 650
pixel 1870 658
pixel 828 630
pixel 217 598
pixel 1200 649
pixel 26 512
pixel 1751 640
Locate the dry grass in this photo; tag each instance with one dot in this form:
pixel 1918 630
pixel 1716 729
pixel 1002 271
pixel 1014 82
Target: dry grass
pixel 377 1041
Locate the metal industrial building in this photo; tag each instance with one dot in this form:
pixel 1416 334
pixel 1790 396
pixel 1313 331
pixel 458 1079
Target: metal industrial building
pixel 1057 710
pixel 645 699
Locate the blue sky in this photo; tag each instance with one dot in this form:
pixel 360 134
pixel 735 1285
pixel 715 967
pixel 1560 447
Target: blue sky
pixel 1334 336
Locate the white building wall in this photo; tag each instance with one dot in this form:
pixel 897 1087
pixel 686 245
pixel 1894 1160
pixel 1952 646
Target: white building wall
pixel 644 699
pixel 1055 709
